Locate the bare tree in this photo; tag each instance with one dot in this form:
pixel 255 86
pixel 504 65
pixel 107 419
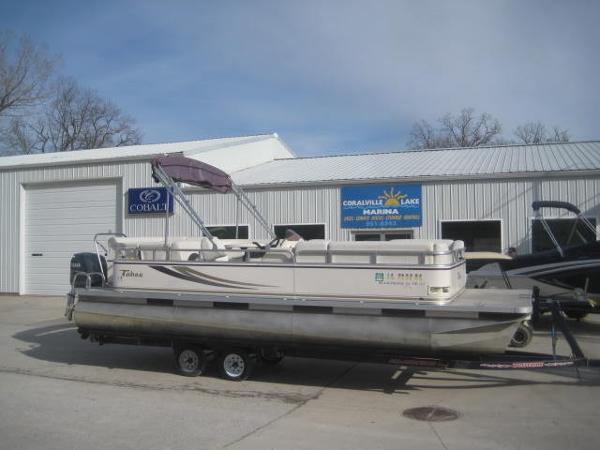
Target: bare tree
pixel 537 133
pixel 463 130
pixel 25 70
pixel 468 129
pixel 531 133
pixel 559 135
pixel 423 135
pixel 74 119
pixel 17 137
pixel 39 113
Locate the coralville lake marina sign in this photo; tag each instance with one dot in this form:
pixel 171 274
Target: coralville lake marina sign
pixel 381 206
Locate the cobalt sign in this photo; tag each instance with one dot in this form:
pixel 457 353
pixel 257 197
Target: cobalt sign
pixel 149 201
pixel 382 206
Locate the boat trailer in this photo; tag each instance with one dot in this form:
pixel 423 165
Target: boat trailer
pixel 574 309
pixel 192 354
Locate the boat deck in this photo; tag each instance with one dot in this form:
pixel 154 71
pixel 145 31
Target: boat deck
pixel 495 301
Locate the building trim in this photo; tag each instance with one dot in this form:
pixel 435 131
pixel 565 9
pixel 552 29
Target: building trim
pixel 24 165
pixel 501 220
pixel 426 179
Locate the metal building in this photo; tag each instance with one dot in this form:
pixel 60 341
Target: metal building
pixel 53 204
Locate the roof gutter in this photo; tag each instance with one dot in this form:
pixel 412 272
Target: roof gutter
pixel 149 156
pixel 79 162
pixel 426 179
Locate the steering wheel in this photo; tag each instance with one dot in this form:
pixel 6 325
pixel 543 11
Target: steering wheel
pixel 262 247
pixel 274 242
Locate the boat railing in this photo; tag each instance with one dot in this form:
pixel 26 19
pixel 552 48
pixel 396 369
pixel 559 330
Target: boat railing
pixel 98 245
pixel 303 252
pixel 88 279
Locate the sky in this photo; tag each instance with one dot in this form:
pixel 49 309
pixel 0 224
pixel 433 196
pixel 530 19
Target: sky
pixel 328 76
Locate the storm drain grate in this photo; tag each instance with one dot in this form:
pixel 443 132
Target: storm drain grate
pixel 431 414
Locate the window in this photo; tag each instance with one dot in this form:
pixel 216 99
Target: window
pixel 478 235
pixel 561 228
pixel 307 232
pixel 400 234
pixel 228 231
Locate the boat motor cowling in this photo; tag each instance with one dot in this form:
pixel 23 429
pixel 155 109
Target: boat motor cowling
pixel 89 263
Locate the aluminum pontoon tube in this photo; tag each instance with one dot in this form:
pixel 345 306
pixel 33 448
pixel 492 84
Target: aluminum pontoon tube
pixel 476 321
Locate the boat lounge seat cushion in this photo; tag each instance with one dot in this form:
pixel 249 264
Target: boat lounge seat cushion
pixel 127 243
pixel 278 255
pixel 181 248
pixel 208 251
pixel 313 251
pixel 399 251
pixel 146 248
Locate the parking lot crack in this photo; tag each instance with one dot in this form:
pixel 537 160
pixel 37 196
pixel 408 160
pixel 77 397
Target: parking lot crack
pixel 282 397
pixel 437 435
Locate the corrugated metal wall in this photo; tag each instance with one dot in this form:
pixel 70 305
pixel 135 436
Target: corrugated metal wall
pixel 11 180
pixel 508 200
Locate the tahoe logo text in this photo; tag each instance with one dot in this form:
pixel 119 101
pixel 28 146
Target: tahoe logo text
pixel 127 273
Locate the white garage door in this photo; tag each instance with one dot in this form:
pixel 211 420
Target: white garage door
pixel 61 220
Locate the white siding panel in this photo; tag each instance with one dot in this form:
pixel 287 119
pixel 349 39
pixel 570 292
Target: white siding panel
pixel 61 220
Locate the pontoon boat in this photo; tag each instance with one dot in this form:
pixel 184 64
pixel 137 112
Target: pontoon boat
pixel 402 295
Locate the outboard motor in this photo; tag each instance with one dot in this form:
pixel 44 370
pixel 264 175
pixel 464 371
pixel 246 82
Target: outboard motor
pixel 88 263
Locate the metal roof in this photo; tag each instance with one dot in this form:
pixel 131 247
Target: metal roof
pixel 129 152
pixel 418 164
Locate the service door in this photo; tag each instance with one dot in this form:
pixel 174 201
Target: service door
pixel 61 220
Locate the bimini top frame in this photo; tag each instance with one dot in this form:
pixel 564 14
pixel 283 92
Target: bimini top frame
pixel 173 169
pixel 538 205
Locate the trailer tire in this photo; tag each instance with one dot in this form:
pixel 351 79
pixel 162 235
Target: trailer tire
pixel 190 360
pixel 522 336
pixel 235 364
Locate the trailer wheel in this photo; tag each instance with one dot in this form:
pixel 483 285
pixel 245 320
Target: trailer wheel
pixel 235 364
pixel 522 336
pixel 190 360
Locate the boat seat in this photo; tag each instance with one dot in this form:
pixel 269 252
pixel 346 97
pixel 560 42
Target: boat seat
pixel 146 248
pixel 181 249
pixel 399 251
pixel 185 249
pixel 278 255
pixel 313 251
pixel 238 243
pixel 286 243
pixel 200 249
pixel 121 243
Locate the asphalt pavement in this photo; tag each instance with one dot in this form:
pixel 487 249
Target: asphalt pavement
pixel 60 392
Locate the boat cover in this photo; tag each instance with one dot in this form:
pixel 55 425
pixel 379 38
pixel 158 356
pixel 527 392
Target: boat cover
pixel 190 171
pixel 552 204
